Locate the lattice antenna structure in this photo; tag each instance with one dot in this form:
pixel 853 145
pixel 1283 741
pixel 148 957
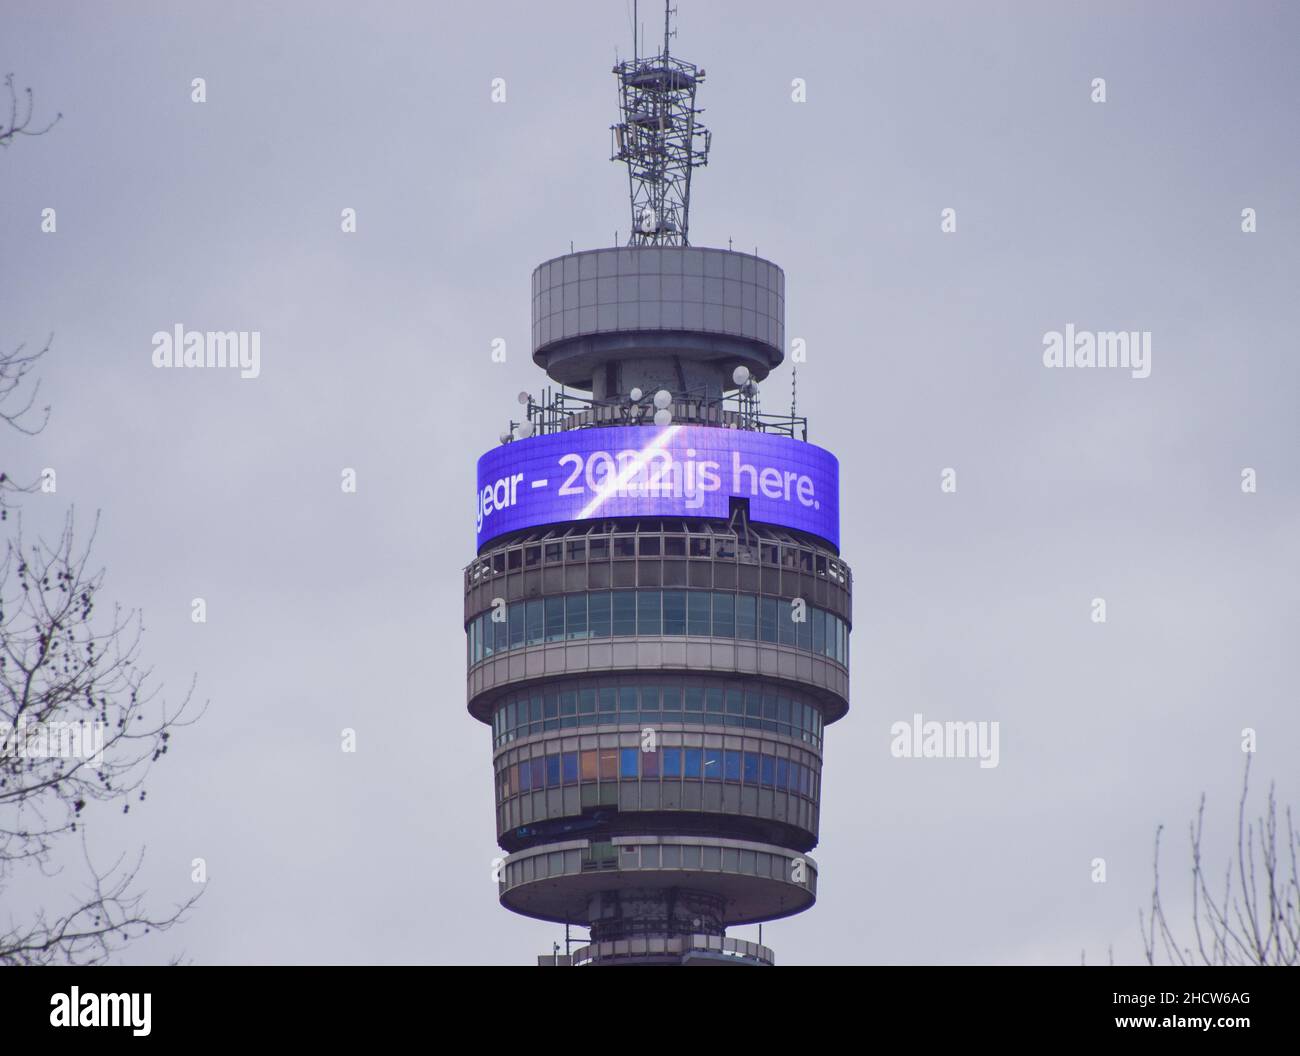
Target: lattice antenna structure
pixel 660 139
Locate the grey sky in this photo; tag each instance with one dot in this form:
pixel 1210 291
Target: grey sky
pixel 328 610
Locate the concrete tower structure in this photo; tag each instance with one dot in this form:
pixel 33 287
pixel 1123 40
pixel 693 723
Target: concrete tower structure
pixel 658 616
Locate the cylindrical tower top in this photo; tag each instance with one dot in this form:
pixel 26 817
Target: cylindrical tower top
pixel 679 316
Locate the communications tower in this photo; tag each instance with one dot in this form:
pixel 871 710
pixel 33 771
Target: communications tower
pixel 657 616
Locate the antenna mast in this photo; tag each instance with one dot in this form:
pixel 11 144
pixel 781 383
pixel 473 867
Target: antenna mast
pixel 660 139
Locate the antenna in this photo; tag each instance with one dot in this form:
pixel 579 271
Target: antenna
pixel 660 139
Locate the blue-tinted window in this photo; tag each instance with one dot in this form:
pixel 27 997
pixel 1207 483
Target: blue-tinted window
pixel 515 615
pixel 786 627
pixel 767 619
pixel 712 764
pixel 586 705
pixel 501 632
pixel 570 766
pixel 525 776
pixel 598 614
pixel 627 762
pixel 647 611
pixel 751 768
pixel 555 619
pixel 731 767
pixel 672 698
pixel 724 615
pixel 782 773
pixel 533 621
pixel 627 698
pixel 818 631
pixel 672 762
pixel 674 612
pixel 576 616
pixel 551 710
pixel 735 708
pixel 608 700
pixel 693 762
pixel 624 612
pixel 769 770
pixel 746 617
pixel 568 708
pixel 649 698
pixel 713 700
pixel 697 613
pixel 552 771
pixel 694 698
pixel 803 629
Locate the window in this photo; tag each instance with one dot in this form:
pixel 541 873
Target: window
pixel 599 549
pixel 649 698
pixel 598 614
pixel 751 768
pixel 532 556
pixel 818 631
pixel 712 764
pixel 769 770
pixel 608 700
pixel 649 545
pixel 533 621
pixel 672 698
pixel 693 762
pixel 569 761
pixel 803 629
pixel 674 617
pixel 554 552
pixel 782 773
pixel 724 615
pixel 647 611
pixel 697 613
pixel 672 762
pixel 525 777
pixel 713 701
pixel 627 699
pixel 649 764
pixel 552 771
pixel 627 766
pixel 576 616
pixel 515 614
pixel 767 619
pixel 624 608
pixel 555 619
pixel 578 550
pixel 538 767
pixel 735 708
pixel 746 617
pixel 625 546
pixel 674 546
pixel 589 766
pixel 694 698
pixel 731 765
pixel 786 625
pixel 700 546
pixel 568 708
pixel 608 763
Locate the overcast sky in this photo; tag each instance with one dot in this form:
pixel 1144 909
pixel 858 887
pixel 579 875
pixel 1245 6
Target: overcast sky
pixel 329 610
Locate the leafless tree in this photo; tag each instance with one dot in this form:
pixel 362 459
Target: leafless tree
pixel 1256 917
pixel 80 725
pixel 20 115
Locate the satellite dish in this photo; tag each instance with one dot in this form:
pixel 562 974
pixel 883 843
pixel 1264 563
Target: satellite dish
pixel 635 395
pixel 663 416
pixel 525 429
pixel 740 375
pixel 506 436
pixel 663 398
pixel 523 398
pixel 751 388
